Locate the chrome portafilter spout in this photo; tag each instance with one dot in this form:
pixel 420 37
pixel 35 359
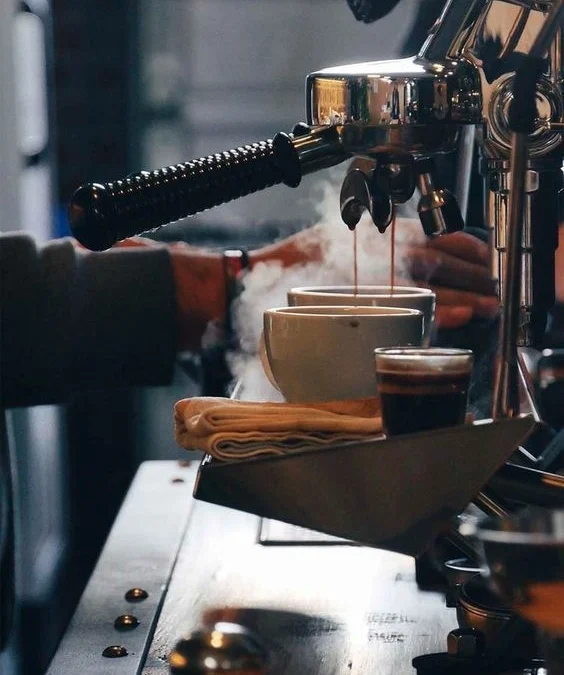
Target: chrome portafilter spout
pixel 393 181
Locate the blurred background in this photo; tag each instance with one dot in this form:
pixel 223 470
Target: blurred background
pixel 91 91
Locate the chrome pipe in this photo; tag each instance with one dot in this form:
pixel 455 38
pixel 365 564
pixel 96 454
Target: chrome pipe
pixel 506 387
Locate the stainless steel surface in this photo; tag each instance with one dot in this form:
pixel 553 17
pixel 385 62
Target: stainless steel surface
pixel 276 533
pixel 527 486
pixel 438 209
pixel 487 34
pixel 514 320
pixel 527 362
pixel 462 75
pixel 465 74
pixel 489 505
pixel 402 106
pixel 464 168
pixel 505 637
pixel 360 493
pixel 140 553
pixel 318 609
pixel 506 386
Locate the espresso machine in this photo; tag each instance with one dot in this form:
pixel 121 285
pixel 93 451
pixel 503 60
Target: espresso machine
pixel 495 66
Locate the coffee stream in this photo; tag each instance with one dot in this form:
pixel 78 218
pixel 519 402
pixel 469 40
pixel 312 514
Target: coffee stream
pixel 355 264
pixel 392 257
pixel 393 251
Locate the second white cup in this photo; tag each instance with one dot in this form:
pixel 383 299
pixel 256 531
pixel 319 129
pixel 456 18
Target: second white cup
pixel 423 299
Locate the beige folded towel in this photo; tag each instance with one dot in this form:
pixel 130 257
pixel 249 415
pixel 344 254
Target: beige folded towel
pixel 228 429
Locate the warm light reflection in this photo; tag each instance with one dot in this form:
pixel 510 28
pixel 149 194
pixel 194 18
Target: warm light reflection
pixel 210 662
pixel 216 639
pixel 391 68
pixel 176 660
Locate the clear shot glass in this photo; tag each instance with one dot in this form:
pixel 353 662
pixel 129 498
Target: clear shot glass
pixel 422 389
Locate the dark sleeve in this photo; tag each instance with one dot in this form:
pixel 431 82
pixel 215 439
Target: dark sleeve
pixel 73 321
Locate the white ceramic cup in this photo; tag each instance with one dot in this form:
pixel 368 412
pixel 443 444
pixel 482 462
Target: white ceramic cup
pixel 422 299
pixel 326 353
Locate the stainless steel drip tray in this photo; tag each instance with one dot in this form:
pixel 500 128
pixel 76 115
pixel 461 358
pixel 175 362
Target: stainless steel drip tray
pixel 395 494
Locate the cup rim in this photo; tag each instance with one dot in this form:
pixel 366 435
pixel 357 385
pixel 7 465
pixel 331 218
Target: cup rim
pixel 366 290
pixel 342 311
pixel 420 360
pixel 421 352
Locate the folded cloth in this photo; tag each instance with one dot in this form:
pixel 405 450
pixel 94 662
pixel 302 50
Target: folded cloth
pixel 228 429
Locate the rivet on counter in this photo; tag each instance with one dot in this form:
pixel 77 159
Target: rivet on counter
pixel 126 622
pixel 114 652
pixel 177 480
pixel 136 595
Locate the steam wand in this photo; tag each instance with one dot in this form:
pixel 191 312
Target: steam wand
pixel 522 121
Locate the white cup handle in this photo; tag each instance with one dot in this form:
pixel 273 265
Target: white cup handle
pixel 265 363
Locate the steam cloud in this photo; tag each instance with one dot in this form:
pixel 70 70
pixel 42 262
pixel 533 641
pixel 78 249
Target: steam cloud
pixel 266 285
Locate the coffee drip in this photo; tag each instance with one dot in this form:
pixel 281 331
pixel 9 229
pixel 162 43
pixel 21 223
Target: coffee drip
pixel 355 264
pixel 392 256
pixel 393 251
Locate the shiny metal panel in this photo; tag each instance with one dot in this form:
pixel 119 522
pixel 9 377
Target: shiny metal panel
pixel 395 106
pixel 140 553
pixel 396 494
pixel 318 609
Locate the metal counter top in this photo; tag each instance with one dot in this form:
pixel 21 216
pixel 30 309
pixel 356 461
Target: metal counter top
pixel 319 604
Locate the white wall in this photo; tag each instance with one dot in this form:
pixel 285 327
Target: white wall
pixel 9 153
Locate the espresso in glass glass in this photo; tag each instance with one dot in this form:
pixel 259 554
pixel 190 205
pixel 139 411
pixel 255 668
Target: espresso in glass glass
pixel 422 389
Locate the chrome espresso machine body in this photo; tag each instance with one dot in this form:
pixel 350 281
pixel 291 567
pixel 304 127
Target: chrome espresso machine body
pixel 494 66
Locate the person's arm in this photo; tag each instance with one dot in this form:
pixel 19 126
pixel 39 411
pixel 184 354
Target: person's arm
pixel 199 277
pixel 72 320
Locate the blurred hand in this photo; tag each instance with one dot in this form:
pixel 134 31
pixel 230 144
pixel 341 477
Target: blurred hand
pixel 455 266
pixel 199 287
pixel 299 248
pixel 199 277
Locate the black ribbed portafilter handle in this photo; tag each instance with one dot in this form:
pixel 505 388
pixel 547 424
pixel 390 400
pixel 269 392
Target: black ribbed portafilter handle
pixel 101 215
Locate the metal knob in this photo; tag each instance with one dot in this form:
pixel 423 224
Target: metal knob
pixel 438 209
pixel 221 648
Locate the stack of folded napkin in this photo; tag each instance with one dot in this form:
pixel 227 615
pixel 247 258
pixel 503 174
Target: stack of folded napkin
pixel 228 429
